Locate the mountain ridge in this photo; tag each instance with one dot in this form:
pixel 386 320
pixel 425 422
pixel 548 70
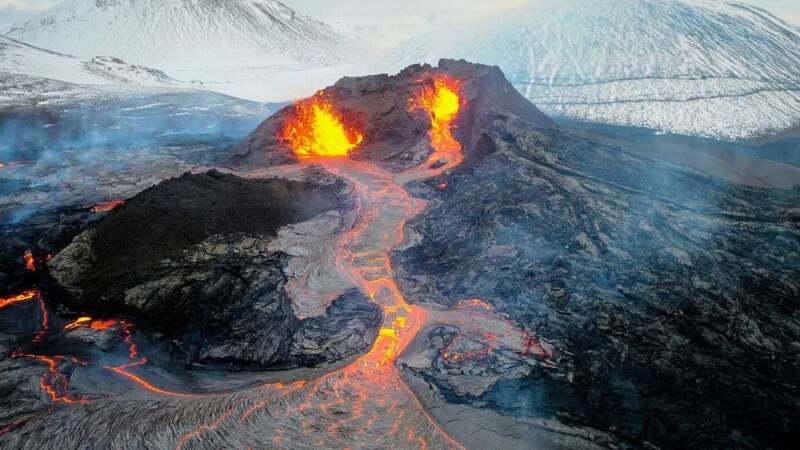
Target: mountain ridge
pixel 210 30
pixel 716 69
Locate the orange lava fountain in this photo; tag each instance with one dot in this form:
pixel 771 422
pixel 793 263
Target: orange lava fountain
pixel 441 99
pixel 315 129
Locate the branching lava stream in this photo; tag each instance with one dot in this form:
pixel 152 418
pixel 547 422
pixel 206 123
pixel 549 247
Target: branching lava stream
pixel 365 404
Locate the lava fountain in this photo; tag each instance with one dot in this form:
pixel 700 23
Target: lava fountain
pixel 440 98
pixel 315 129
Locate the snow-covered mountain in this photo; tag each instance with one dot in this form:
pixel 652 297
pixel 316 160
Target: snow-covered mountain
pixel 22 59
pixel 721 69
pixel 258 49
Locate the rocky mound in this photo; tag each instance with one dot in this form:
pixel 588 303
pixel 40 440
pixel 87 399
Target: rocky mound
pixel 395 137
pixel 191 258
pixel 670 296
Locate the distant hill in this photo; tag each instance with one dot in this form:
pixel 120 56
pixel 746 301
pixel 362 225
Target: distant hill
pixel 719 69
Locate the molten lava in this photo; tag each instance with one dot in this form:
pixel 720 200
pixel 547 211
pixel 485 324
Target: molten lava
pixel 315 129
pixel 366 401
pixel 23 297
pixel 53 382
pixel 98 325
pixel 77 323
pixel 107 206
pixel 441 98
pixel 30 264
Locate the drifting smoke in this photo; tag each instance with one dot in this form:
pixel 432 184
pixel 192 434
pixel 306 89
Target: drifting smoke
pixel 44 148
pixel 121 123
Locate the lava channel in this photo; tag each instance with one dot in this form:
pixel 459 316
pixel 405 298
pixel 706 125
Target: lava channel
pixel 366 404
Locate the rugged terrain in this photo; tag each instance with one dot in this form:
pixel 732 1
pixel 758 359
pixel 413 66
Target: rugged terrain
pixel 669 294
pixel 522 285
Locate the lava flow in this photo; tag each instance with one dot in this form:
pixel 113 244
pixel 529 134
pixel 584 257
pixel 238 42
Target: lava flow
pixel 107 206
pixel 17 298
pixel 366 404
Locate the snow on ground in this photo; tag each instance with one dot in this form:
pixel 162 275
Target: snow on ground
pixel 20 58
pixel 709 68
pixel 720 69
pixel 260 49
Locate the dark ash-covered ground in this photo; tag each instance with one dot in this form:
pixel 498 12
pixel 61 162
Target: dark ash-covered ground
pixel 671 296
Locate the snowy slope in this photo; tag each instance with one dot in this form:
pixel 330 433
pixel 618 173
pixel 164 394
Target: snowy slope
pixel 144 31
pixel 23 59
pixel 709 68
pixel 258 49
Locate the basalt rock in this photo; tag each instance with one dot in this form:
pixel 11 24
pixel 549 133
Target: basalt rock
pixel 191 258
pixel 395 137
pixel 671 297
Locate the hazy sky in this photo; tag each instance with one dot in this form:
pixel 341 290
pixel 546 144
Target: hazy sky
pixel 16 10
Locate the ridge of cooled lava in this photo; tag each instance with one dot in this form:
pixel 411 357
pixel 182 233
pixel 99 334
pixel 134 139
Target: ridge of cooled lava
pixel 424 261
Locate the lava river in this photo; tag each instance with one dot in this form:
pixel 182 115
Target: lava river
pixel 365 404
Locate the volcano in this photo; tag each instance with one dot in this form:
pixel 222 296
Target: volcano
pixel 419 260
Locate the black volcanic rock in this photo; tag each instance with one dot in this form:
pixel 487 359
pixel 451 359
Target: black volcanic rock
pixel 378 105
pixel 671 297
pixel 191 258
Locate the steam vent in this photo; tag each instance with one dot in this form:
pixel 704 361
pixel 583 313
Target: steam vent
pixel 412 261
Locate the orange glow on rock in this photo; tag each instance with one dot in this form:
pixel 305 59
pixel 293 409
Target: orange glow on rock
pixel 53 382
pixel 103 324
pixel 315 129
pixel 77 323
pixel 474 303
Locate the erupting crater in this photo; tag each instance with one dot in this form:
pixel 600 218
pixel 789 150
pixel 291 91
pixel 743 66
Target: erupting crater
pixel 316 130
pixel 368 138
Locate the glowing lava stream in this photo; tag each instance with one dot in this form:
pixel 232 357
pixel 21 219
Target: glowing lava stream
pixel 367 404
